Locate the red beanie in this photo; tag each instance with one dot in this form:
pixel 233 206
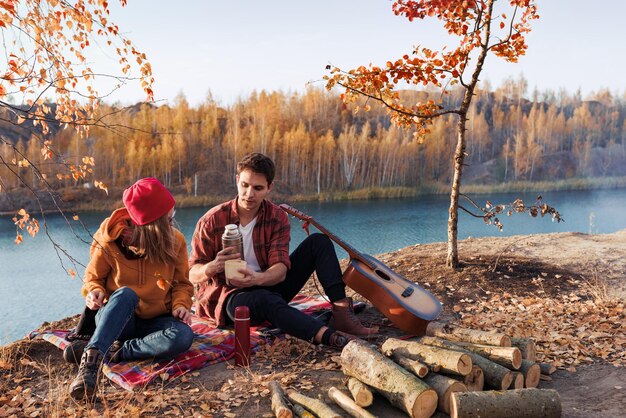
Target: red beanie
pixel 147 200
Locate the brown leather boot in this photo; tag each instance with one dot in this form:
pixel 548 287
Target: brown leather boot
pixel 345 320
pixel 85 384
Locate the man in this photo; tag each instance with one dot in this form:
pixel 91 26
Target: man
pixel 272 276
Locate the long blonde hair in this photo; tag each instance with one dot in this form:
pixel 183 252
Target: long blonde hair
pixel 156 241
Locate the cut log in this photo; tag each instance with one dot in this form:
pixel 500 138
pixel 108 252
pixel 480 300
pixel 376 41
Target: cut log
pixel 347 404
pixel 444 386
pixel 279 402
pixel 547 368
pixel 496 376
pixel 518 381
pixel 416 367
pixel 531 372
pixel 447 360
pixel 301 412
pixel 402 389
pixel 527 347
pixel 474 381
pixel 510 357
pixel 361 394
pixel 319 408
pixel 454 333
pixel 520 403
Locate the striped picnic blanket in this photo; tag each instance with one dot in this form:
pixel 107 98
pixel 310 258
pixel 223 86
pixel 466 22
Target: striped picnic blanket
pixel 211 345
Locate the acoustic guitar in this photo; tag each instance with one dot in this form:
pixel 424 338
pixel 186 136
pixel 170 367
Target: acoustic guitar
pixel 407 305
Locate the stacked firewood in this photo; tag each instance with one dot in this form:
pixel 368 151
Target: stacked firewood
pixel 457 371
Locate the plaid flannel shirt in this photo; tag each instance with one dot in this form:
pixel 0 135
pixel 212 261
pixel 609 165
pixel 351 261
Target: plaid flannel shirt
pixel 270 238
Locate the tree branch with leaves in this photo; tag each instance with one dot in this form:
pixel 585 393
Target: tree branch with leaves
pixel 483 28
pixel 48 84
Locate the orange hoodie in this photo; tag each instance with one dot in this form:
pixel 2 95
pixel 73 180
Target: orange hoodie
pixel 109 269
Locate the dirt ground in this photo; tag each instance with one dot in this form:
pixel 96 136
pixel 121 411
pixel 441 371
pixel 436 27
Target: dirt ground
pixel 565 290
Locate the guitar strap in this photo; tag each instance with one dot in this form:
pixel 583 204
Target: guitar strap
pixel 305 226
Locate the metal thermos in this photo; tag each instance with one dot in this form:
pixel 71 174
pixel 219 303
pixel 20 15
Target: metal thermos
pixel 242 336
pixel 232 238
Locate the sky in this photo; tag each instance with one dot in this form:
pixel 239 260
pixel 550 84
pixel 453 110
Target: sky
pixel 232 47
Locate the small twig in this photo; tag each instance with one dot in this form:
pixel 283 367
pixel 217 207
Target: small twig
pixel 495 265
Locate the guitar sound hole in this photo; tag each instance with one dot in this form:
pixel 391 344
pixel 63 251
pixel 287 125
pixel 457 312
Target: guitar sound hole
pixel 382 275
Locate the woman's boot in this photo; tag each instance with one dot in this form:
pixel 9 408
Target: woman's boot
pixel 85 384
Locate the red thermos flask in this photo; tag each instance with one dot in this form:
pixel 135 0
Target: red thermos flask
pixel 242 336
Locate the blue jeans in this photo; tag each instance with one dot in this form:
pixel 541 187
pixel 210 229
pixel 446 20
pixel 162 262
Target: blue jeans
pixel 160 337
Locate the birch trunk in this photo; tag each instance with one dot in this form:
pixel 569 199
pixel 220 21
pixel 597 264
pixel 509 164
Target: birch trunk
pixel 520 403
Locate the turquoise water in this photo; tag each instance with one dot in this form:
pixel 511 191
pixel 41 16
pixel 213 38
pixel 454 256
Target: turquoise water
pixel 34 287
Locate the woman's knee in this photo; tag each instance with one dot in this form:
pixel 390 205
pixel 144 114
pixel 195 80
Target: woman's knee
pixel 180 337
pixel 127 294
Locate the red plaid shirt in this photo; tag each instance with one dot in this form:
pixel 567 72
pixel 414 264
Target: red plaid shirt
pixel 270 238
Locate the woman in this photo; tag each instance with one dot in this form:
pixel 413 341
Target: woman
pixel 138 280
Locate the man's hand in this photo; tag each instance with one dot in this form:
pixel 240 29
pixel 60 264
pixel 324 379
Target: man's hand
pixel 94 299
pixel 249 278
pixel 183 314
pixel 217 265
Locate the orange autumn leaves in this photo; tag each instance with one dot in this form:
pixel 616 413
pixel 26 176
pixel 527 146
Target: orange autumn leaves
pixel 48 71
pixel 53 59
pixel 570 330
pixel 480 27
pixel 23 221
pixel 161 282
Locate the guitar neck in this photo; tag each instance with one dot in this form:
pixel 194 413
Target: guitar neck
pixel 352 252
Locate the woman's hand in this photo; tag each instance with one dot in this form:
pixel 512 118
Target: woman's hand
pixel 94 299
pixel 183 314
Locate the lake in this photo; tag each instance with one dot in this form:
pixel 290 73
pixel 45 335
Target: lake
pixel 35 288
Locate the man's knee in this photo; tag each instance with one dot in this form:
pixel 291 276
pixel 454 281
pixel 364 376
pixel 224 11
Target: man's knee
pixel 262 303
pixel 320 240
pixel 256 298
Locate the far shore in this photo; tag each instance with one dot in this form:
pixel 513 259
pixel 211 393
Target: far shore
pixel 92 200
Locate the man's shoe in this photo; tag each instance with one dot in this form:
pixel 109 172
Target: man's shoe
pixel 339 339
pixel 345 320
pixel 85 384
pixel 74 351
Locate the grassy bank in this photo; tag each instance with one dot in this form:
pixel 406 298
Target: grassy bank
pixel 548 186
pixel 469 189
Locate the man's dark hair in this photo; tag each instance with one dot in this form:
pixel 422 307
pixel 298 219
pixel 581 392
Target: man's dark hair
pixel 258 163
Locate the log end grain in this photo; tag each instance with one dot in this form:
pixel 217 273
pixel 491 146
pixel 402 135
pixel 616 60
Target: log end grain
pixel 507 380
pixel 516 358
pixel 518 381
pixel 425 404
pixel 361 394
pixel 444 404
pixel 533 375
pixel 475 381
pixel 505 341
pixel 465 365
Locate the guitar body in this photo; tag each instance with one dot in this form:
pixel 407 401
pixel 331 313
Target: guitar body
pixel 409 306
pixel 406 304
